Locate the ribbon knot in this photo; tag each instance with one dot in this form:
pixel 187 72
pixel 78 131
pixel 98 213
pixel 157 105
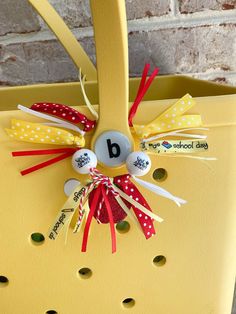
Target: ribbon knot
pixel 99 178
pixel 79 141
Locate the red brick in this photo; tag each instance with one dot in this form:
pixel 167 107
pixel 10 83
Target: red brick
pixel 140 8
pixel 17 17
pixel 191 6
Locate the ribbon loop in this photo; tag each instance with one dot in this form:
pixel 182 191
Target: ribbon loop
pixel 171 119
pixel 65 213
pixel 66 113
pixel 39 133
pixel 53 121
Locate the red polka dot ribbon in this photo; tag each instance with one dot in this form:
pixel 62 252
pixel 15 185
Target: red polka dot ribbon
pixel 146 223
pixel 66 113
pixel 129 188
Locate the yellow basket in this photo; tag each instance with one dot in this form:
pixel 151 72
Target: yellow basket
pixel 189 267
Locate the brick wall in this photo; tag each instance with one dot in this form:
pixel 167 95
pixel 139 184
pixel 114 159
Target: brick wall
pixel 194 37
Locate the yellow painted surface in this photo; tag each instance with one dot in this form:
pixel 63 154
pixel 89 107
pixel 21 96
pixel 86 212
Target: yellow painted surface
pixel 110 29
pixel 198 239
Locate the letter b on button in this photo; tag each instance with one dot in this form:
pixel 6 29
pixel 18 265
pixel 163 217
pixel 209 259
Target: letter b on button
pixel 112 148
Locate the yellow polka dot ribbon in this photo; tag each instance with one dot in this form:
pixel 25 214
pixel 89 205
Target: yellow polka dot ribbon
pixel 172 119
pixel 39 133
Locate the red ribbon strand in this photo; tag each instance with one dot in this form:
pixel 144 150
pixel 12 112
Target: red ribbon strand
pixel 111 220
pixel 89 220
pixel 143 88
pixel 43 152
pixel 64 153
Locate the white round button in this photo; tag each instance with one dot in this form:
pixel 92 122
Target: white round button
pixel 138 164
pixel 112 148
pixel 83 160
pixel 70 185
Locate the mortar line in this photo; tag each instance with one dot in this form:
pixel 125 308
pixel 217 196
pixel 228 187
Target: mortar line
pixel 183 20
pixel 146 24
pixel 174 8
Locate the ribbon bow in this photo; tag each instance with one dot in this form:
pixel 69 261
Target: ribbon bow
pixel 172 123
pixel 110 201
pixel 46 134
pixel 100 193
pixel 106 199
pixel 171 119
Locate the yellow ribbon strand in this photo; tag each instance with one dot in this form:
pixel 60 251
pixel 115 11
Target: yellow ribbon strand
pixel 171 119
pixel 172 147
pixel 87 102
pixel 66 212
pixel 138 205
pixel 43 134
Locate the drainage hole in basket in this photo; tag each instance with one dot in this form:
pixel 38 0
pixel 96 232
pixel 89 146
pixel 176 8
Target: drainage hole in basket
pixel 159 260
pixel 123 226
pixel 37 238
pixel 3 281
pixel 159 174
pixel 128 303
pixel 85 273
pixel 51 312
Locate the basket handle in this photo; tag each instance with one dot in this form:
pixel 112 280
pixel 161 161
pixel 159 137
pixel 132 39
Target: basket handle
pixel 65 36
pixel 110 28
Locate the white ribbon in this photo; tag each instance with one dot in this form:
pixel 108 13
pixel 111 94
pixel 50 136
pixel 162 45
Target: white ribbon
pixel 160 191
pixel 57 122
pixel 128 212
pixel 179 134
pixel 187 156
